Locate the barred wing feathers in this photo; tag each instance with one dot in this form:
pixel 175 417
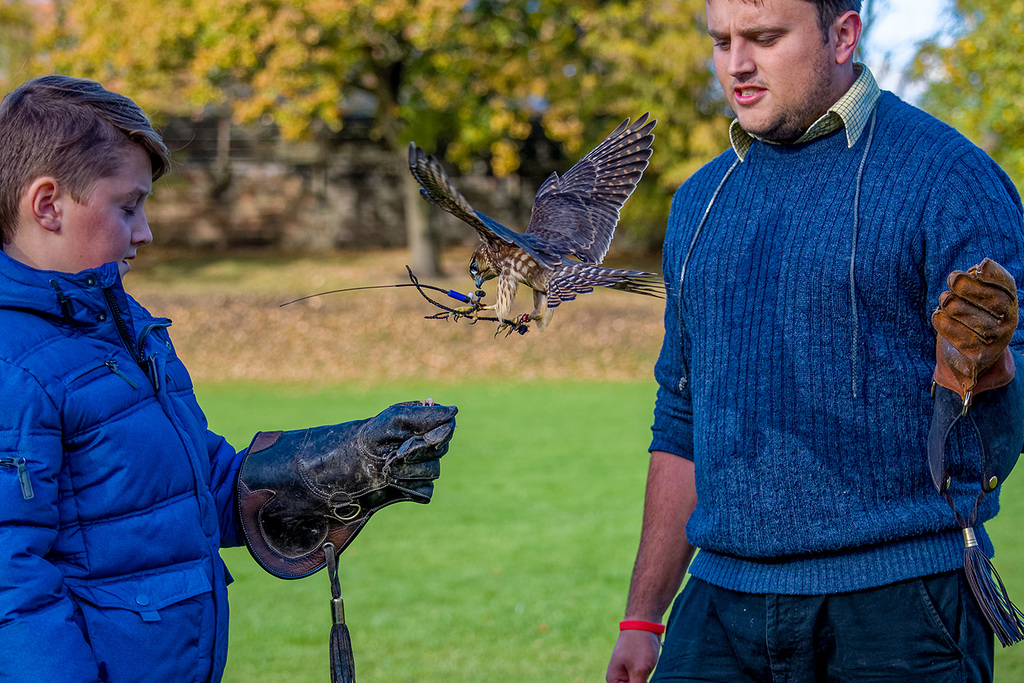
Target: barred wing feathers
pixel 577 212
pixel 437 189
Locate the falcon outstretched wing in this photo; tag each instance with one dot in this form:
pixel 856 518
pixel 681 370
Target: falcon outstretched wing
pixel 577 213
pixel 437 189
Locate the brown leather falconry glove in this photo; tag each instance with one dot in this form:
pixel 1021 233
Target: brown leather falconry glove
pixel 975 321
pixel 300 489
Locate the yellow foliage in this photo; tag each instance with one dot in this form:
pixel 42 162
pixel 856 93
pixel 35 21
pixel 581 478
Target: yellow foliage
pixel 504 158
pixel 976 83
pixel 478 76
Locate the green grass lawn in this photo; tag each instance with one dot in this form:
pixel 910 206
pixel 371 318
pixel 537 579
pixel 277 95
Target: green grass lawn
pixel 516 571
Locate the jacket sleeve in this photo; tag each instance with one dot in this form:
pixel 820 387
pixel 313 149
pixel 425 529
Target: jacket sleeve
pixel 41 640
pixel 224 465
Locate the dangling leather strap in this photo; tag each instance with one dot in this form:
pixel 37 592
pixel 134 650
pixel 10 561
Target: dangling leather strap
pixel 999 432
pixel 343 664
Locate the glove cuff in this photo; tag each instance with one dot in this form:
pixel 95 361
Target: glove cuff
pixel 998 375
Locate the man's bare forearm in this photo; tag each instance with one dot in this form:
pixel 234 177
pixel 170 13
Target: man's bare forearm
pixel 664 553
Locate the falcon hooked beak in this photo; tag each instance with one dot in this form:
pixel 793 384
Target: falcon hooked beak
pixel 481 267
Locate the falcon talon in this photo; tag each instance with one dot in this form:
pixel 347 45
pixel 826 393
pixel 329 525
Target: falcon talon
pixel 520 324
pixel 470 311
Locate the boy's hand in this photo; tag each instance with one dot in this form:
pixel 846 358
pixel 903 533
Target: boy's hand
pixel 300 489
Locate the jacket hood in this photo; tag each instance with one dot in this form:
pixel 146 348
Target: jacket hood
pixel 72 297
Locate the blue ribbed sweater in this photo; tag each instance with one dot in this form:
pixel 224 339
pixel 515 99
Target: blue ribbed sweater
pixel 798 351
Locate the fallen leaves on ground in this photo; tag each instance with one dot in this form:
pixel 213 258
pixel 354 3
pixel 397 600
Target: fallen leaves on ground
pixel 228 323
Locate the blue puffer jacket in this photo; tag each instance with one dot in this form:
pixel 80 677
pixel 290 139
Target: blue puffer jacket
pixel 114 496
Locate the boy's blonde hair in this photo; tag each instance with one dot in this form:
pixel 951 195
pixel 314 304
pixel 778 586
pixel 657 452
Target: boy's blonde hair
pixel 72 129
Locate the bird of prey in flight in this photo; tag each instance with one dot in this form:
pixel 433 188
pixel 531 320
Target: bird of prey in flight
pixel 571 226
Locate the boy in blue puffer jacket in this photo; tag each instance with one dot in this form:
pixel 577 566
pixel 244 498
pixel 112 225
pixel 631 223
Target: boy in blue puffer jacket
pixel 115 498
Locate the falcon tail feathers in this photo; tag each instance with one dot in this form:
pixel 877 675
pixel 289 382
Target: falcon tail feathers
pixel 582 278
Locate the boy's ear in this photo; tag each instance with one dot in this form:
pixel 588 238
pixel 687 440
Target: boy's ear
pixel 43 202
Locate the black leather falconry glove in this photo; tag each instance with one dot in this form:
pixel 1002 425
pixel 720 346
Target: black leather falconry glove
pixel 300 489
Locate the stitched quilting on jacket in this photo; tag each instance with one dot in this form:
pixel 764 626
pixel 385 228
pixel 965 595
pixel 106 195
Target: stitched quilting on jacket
pixel 114 496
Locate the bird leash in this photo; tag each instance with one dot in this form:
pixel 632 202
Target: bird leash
pixel 446 312
pixel 343 663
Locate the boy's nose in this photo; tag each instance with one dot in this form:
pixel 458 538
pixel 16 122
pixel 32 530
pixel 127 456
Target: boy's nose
pixel 142 235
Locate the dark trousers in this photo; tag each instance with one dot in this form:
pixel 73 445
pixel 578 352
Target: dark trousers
pixel 922 630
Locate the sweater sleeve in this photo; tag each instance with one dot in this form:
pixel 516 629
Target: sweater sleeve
pixel 673 414
pixel 42 641
pixel 975 213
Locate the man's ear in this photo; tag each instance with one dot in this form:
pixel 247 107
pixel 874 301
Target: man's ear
pixel 846 30
pixel 43 202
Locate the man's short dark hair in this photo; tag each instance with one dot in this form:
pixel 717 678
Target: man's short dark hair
pixel 830 10
pixel 72 129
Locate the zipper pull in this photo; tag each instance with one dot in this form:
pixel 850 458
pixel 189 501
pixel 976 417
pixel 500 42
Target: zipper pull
pixel 26 484
pixel 112 364
pixel 22 467
pixel 153 372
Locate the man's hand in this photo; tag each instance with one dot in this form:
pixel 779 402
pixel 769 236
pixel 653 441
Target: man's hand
pixel 975 321
pixel 634 657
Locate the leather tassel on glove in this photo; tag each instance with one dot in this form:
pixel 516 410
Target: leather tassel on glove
pixel 343 663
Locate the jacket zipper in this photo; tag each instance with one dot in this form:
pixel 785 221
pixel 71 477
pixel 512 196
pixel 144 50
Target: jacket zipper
pixel 122 326
pixel 148 365
pixel 164 323
pixel 26 484
pixel 112 364
pixel 150 361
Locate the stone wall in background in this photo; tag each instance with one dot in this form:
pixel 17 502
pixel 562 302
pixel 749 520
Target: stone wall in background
pixel 342 192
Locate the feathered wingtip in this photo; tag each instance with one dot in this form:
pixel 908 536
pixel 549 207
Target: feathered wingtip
pixel 343 663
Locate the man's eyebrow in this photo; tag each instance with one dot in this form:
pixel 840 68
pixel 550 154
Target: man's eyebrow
pixel 752 32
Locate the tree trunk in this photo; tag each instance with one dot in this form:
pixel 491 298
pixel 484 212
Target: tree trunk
pixel 424 245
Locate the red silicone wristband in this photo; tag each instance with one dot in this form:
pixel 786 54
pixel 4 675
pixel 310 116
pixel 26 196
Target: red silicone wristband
pixel 640 625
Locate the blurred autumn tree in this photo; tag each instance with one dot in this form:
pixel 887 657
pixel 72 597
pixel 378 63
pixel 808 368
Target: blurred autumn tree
pixel 16 44
pixel 650 56
pixel 474 74
pixel 976 82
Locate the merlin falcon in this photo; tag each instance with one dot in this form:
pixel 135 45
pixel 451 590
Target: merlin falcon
pixel 571 226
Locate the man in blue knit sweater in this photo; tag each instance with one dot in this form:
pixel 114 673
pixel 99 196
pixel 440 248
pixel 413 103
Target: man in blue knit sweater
pixel 803 267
